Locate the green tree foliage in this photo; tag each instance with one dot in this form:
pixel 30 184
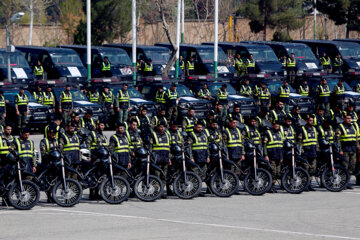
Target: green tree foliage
pixel 280 14
pixel 109 19
pixel 342 12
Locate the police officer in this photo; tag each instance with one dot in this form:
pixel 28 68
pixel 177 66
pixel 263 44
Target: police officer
pixel 308 138
pixel 7 135
pixel 161 116
pixel 338 64
pixel 106 68
pixel 75 120
pixel 350 112
pixel 347 139
pixel 48 98
pixel 325 63
pixel 198 140
pixel 251 132
pixel 336 115
pixel 213 132
pixel 144 122
pixel 135 141
pixel 245 88
pixel 119 146
pixel 278 114
pixel 283 60
pixel 190 66
pixel 239 64
pixel 287 129
pixel 69 145
pixel 94 95
pixel 318 117
pixel 182 63
pixel 2 107
pixel 55 124
pixel 107 100
pixel 264 96
pixel 218 115
pixel 66 104
pixel 175 134
pixel 233 140
pixel 236 114
pixel 172 98
pixel 304 88
pixel 139 65
pixel 25 148
pixel 326 131
pixel 189 121
pixel 148 68
pixel 339 93
pixel 250 65
pixel 160 96
pixel 222 98
pixel 123 103
pixel 47 144
pixel 205 92
pixel 87 121
pixel 261 118
pixel 22 108
pixel 291 68
pixel 323 94
pixel 39 71
pixel 273 151
pixel 284 95
pixel 296 116
pixel 38 95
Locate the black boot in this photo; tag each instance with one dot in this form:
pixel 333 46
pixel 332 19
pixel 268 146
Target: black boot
pixel 273 190
pixel 310 188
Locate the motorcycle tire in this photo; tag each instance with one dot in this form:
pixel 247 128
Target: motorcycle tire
pixel 116 195
pixel 224 188
pixel 298 184
pixel 189 189
pixel 69 198
pixel 261 186
pixel 151 192
pixel 338 182
pixel 23 200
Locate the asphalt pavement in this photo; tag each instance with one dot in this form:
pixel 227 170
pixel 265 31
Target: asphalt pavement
pixel 310 215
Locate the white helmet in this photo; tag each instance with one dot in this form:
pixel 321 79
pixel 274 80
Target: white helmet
pixel 85 154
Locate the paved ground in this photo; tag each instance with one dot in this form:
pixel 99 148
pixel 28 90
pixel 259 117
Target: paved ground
pixel 311 215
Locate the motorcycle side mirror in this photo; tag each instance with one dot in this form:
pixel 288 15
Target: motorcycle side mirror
pixel 302 122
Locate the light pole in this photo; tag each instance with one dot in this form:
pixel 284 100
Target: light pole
pixel 88 38
pixel 315 19
pixel 9 48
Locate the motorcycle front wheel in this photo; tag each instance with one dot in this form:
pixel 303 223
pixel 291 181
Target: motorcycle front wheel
pixel 117 194
pixel 227 187
pixel 149 192
pixel 189 188
pixel 24 200
pixel 69 197
pixel 335 182
pixel 298 183
pixel 260 185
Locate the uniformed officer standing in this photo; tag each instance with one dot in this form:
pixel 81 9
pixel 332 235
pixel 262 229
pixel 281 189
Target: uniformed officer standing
pixel 287 129
pixel 233 140
pixel 144 122
pixel 148 68
pixel 198 140
pixel 182 63
pixel 161 116
pixel 339 92
pixel 7 135
pixel 338 64
pixel 2 108
pixel 245 88
pixel 172 98
pixel 106 68
pixel 325 63
pixel 189 121
pixel 107 100
pixel 135 141
pixel 284 95
pixel 278 114
pixel 250 65
pixel 38 95
pixel 347 138
pixel 239 65
pixel 326 131
pixel 252 133
pixel 350 112
pixel 66 104
pixel 273 151
pixel 22 108
pixel 291 68
pixel 318 117
pixel 213 132
pixel 69 145
pixel 55 124
pixel 205 92
pixel 175 134
pixel 304 88
pixel 264 96
pixel 218 117
pixel 222 98
pixel 38 71
pixel 48 98
pixel 123 103
pixel 87 121
pixel 283 60
pixel 308 138
pixel 119 146
pixel 94 95
pixel 296 117
pixel 160 96
pixel 25 148
pixel 236 114
pixel 323 94
pixel 190 66
pixel 336 115
pixel 47 144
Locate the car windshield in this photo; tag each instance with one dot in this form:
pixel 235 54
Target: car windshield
pixel 17 60
pixel 11 96
pixel 158 56
pixel 349 52
pixel 332 84
pixel 181 90
pixel 263 55
pixel 66 59
pixel 274 87
pixel 131 90
pixel 213 88
pixel 117 57
pixel 77 95
pixel 207 55
pixel 301 52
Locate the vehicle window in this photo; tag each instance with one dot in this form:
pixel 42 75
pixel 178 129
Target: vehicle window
pixel 66 59
pixel 76 94
pixel 117 57
pixel 349 52
pixel 301 52
pixel 274 87
pixel 158 56
pixel 213 88
pixel 131 90
pixel 17 60
pixel 332 84
pixel 181 90
pixel 263 55
pixel 11 96
pixel 207 55
pixel 146 90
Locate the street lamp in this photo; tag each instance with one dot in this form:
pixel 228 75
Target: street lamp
pixel 9 48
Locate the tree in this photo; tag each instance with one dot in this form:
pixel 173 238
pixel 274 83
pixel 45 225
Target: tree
pixel 342 12
pixel 71 14
pixel 279 14
pixel 109 19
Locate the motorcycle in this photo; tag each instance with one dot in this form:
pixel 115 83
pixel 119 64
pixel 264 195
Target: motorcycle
pixel 257 179
pixel 65 192
pixel 294 179
pixel 19 193
pixel 185 184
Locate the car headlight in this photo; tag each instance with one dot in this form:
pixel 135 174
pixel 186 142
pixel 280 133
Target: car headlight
pixel 62 79
pixel 77 110
pixel 52 110
pixel 184 105
pixel 301 71
pixel 231 104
